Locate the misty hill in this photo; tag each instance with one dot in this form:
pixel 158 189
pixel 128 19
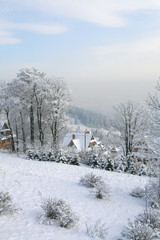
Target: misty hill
pixel 88 118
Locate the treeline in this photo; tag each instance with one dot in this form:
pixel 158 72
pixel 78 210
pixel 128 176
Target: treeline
pixel 34 106
pixel 88 118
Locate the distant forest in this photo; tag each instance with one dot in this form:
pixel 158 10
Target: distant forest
pixel 88 118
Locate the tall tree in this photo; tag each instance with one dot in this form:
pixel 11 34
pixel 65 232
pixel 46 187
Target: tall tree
pixel 153 102
pixel 130 120
pixel 27 82
pixel 58 99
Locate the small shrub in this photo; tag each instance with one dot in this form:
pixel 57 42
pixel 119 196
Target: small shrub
pixel 58 210
pixel 43 157
pixel 99 229
pixel 138 192
pixel 6 205
pixel 30 155
pixel 101 191
pixel 90 180
pixel 138 231
pixel 152 194
pixel 150 217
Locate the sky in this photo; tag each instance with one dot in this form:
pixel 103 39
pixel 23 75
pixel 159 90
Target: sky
pixel 108 51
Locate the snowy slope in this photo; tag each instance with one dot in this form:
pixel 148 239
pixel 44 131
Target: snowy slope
pixel 27 180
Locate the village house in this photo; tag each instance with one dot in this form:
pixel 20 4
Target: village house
pixel 144 151
pixel 80 141
pixel 5 136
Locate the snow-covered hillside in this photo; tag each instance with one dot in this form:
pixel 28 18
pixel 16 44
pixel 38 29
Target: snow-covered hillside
pixel 28 181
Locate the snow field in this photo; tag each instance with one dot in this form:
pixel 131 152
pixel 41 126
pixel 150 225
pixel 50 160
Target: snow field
pixel 29 181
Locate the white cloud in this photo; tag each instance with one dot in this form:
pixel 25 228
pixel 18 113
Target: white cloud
pixel 35 27
pixel 110 13
pixel 6 38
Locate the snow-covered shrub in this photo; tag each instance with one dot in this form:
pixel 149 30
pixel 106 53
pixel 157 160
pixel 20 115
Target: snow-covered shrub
pixel 138 192
pixel 138 231
pixel 109 165
pixel 152 194
pixel 58 210
pixel 98 159
pixel 91 180
pixel 6 205
pixel 99 229
pixel 63 156
pixel 100 191
pixel 43 157
pixel 60 156
pixel 30 155
pixel 72 158
pixel 121 164
pixel 152 167
pixel 150 217
pixel 131 164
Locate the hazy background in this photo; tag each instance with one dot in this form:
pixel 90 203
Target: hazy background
pixel 108 51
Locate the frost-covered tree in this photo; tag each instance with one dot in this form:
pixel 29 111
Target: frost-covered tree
pixel 28 83
pixel 130 119
pixel 58 97
pixel 35 107
pixel 154 105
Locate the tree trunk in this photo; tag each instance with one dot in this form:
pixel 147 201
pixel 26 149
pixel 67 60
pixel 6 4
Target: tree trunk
pixel 39 120
pixel 17 137
pixel 32 124
pixel 23 133
pixel 54 133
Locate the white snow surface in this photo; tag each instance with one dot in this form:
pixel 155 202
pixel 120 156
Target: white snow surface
pixel 29 181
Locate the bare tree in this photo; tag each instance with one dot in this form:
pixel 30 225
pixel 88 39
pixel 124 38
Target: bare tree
pixel 154 105
pixel 130 120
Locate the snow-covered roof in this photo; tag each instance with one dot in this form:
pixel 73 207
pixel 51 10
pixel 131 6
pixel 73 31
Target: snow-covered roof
pixel 77 144
pixel 81 140
pixel 3 126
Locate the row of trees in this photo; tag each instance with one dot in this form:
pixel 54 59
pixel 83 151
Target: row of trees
pixel 35 106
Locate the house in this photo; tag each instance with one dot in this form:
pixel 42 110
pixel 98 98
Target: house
pixel 144 151
pixel 80 141
pixel 5 136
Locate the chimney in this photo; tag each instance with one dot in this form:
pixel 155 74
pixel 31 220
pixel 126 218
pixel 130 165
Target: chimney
pixel 73 136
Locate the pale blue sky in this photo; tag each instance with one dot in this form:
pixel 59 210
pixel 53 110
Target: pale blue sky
pixel 107 50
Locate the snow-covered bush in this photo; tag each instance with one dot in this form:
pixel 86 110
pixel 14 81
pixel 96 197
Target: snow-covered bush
pixel 138 230
pixel 58 210
pixel 138 192
pixel 150 217
pixel 121 164
pixel 30 154
pixel 6 205
pixel 56 155
pixel 152 194
pixel 91 180
pixel 66 157
pixel 99 229
pixel 98 159
pixel 100 191
pixel 131 164
pixel 72 158
pixel 42 157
